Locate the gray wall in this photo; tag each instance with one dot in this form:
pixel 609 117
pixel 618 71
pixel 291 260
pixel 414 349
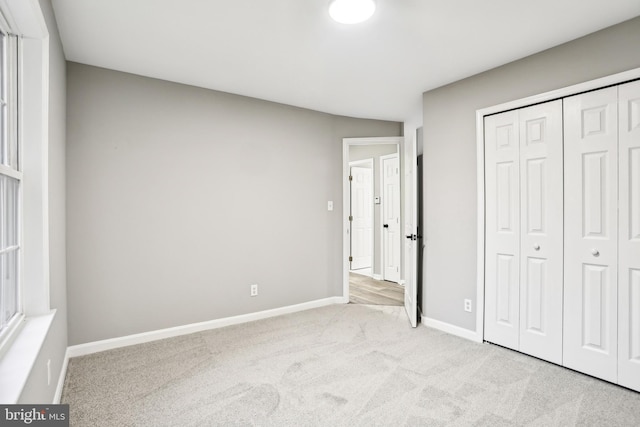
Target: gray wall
pixel 450 152
pixel 55 345
pixel 179 198
pixel 362 152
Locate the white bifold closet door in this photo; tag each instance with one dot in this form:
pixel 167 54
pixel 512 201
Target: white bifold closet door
pixel 502 253
pixel 629 237
pixel 524 236
pixel 591 233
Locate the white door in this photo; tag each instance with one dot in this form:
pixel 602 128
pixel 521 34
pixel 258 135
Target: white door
pixel 391 218
pixel 629 237
pixel 591 233
pixel 502 253
pixel 411 241
pixel 541 235
pixel 362 217
pixel 523 286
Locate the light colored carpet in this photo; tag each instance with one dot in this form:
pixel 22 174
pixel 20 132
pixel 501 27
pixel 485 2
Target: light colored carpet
pixel 341 365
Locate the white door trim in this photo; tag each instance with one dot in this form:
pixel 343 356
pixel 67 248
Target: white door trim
pixel 614 79
pixel 362 162
pixel 346 143
pixel 369 163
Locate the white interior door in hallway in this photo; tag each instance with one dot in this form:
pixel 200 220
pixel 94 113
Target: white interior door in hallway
pixel 361 214
pixel 391 236
pixel 523 152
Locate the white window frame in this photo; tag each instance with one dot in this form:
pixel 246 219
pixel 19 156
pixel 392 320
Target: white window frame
pixel 10 63
pixel 19 354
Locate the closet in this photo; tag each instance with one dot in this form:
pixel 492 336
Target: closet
pixel 562 232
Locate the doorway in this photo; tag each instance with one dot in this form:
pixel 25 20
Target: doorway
pixel 365 199
pixel 356 150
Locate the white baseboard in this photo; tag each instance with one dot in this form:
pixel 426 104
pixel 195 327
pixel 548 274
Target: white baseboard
pixel 401 282
pixel 377 276
pixel 451 329
pixel 108 344
pixel 63 374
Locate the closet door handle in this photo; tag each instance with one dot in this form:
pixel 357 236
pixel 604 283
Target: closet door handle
pixel 536 247
pixel 595 252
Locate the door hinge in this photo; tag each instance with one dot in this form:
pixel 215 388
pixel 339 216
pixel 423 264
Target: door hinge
pixel 350 218
pixel 350 259
pixel 350 177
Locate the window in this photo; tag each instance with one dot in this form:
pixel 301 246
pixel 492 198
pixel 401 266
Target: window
pixel 10 185
pixel 25 312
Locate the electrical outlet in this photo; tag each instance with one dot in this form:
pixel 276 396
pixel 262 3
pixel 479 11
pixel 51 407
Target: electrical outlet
pixel 254 290
pixel 467 305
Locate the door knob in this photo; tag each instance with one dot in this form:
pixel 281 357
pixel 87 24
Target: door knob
pixel 536 247
pixel 595 252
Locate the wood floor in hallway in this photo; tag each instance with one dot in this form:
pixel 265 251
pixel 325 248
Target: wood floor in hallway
pixel 365 290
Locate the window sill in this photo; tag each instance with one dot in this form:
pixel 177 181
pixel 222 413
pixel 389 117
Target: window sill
pixel 18 360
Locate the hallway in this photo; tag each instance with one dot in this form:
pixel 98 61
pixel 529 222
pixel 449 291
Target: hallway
pixel 365 290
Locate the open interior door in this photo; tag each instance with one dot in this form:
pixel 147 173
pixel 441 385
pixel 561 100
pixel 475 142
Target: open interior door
pixel 411 229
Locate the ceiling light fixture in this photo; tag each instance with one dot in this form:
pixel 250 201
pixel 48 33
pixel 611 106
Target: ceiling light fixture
pixel 351 11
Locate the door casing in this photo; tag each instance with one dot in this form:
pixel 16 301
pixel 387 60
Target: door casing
pixel 346 238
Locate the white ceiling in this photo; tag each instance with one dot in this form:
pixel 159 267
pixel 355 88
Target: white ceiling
pixel 290 51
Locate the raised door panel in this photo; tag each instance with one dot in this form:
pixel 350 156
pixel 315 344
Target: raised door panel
pixel 629 237
pixel 541 232
pixel 596 304
pixel 590 233
pixel 502 170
